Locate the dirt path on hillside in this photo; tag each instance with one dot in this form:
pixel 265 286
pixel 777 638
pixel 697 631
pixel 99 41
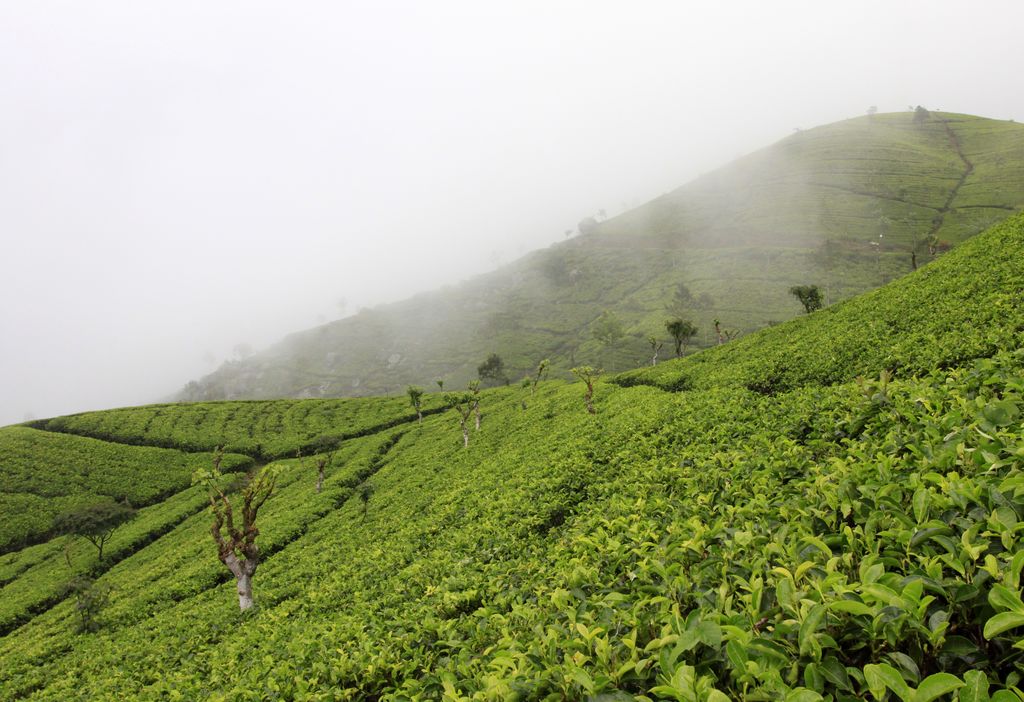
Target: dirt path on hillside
pixel 940 218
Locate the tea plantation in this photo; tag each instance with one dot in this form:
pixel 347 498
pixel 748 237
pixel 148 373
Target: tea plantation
pixel 827 509
pixel 259 429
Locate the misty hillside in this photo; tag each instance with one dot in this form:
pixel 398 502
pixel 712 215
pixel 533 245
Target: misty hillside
pixel 847 206
pixel 831 512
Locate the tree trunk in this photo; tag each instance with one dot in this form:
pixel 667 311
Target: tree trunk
pixel 243 572
pixel 320 479
pixel 98 541
pixel 245 600
pixel 589 397
pixel 654 360
pixel 465 436
pixel 419 416
pixel 477 408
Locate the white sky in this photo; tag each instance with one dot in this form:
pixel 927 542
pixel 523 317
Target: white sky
pixel 178 177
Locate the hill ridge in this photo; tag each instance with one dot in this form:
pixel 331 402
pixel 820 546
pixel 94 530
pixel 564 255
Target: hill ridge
pixel 809 208
pixel 863 327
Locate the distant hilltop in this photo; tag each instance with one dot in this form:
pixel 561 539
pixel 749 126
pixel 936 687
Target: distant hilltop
pixel 847 207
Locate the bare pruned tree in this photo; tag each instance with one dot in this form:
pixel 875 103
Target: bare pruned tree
pixel 461 402
pixel 474 388
pixel 236 544
pixel 724 334
pixel 589 376
pixel 655 348
pixel 542 372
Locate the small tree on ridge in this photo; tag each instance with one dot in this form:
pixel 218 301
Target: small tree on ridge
pixel 95 522
pixel 415 394
pixel 542 371
pixel 492 369
pixel 90 598
pixel 589 376
pixel 808 295
pixel 655 348
pixel 462 403
pixel 682 331
pixel 365 491
pixel 474 388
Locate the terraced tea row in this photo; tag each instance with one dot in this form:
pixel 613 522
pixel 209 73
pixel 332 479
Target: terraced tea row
pixel 261 429
pixel 44 474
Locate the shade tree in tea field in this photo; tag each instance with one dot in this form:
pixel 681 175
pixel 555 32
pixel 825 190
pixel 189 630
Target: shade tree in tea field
pixel 236 545
pixel 95 522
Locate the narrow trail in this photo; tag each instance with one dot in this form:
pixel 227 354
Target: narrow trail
pixel 940 218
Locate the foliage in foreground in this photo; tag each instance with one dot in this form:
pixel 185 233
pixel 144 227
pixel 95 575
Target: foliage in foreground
pixel 829 541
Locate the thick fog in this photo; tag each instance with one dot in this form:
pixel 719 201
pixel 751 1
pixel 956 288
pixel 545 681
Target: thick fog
pixel 181 182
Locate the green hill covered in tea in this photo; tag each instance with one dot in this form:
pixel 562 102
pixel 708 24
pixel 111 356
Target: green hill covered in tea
pixel 827 509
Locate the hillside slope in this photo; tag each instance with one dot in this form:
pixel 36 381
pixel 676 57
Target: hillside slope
pixel 955 309
pixel 842 206
pixel 830 539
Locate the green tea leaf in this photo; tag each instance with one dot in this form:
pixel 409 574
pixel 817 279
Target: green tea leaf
pixel 1002 622
pixel 920 504
pixel 851 607
pixel 1001 413
pixel 975 687
pixel 935 686
pixel 1003 598
pixel 808 627
pixel 881 676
